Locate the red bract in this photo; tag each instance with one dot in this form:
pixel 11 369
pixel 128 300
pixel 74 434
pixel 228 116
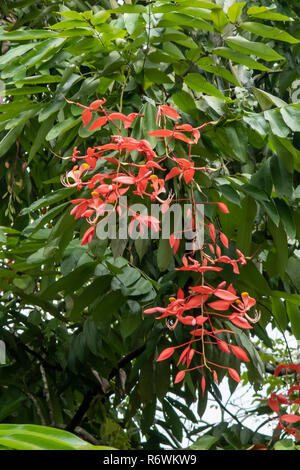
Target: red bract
pixel 179 377
pixel 131 167
pixel 234 375
pixel 165 354
pixel 167 111
pixel 294 367
pixel 278 400
pixel 240 353
pixel 87 237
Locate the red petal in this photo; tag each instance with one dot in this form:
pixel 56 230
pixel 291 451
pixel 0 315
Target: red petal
pixel 224 239
pixel 203 385
pixel 87 237
pixel 183 356
pixel 295 367
pixel 155 309
pixel 161 133
pixel 240 353
pixel 290 418
pixel 200 319
pixel 172 240
pixel 165 354
pixel 273 404
pixel 225 295
pixel 174 172
pixel 180 294
pixel 202 289
pixel 86 117
pixel 223 346
pixel 124 179
pixel 179 377
pixel 168 111
pixel 182 137
pixel 220 305
pixel 223 207
pixel 98 123
pixel 212 232
pixel 240 322
pixel 233 373
pixel 97 104
pixel 188 320
pixel 194 302
pixel 188 175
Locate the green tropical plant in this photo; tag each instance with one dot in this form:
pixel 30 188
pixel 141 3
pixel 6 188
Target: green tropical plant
pixel 79 353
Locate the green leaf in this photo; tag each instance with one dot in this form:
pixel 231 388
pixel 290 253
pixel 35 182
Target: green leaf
pixel 292 298
pixel 257 122
pixel 268 32
pixel 240 58
pixel 266 100
pixel 272 211
pixel 293 312
pixel 109 304
pixel 149 122
pixel 15 52
pixel 35 437
pixel 285 444
pixel 44 129
pixel 286 217
pixel 26 35
pixel 277 124
pixel 49 199
pixel 281 178
pixel 219 20
pixel 39 79
pixel 197 82
pixel 69 283
pixel 230 193
pixel 70 24
pixel 92 292
pixel 243 45
pixel 234 11
pixel 291 116
pixel 155 76
pixel 293 269
pixel 279 312
pixel 129 9
pixel 164 254
pixel 281 246
pixel 74 15
pixel 238 138
pixel 10 138
pixel 255 192
pixel 185 20
pixel 172 420
pixel 216 70
pixel 62 127
pixel 265 13
pixel 204 443
pixel 251 276
pixel 244 232
pixel 184 101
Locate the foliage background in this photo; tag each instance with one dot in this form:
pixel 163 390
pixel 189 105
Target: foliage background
pixel 80 355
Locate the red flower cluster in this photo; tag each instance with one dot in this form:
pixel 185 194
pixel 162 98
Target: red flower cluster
pixel 290 399
pixel 145 174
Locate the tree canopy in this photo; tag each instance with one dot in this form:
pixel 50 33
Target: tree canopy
pixel 81 354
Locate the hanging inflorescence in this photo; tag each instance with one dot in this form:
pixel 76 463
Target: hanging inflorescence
pixel 150 176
